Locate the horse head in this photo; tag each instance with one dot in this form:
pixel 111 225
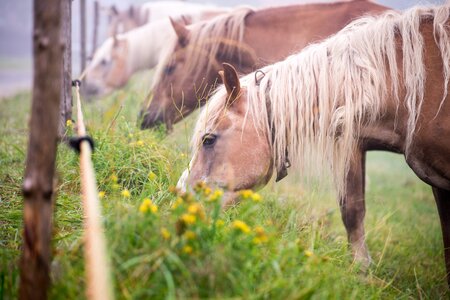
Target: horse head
pixel 108 69
pixel 229 151
pixel 188 74
pixel 175 90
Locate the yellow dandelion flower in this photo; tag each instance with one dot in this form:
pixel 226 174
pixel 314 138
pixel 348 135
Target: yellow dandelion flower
pixel 216 195
pixel 197 210
pixel 220 223
pixel 147 205
pixel 101 194
pixel 152 176
pixel 256 197
pixel 194 208
pixel 261 236
pixel 125 193
pixel 260 240
pixel 245 194
pixel 188 218
pixel 140 143
pixel 187 249
pixel 207 191
pixel 69 123
pixel 143 208
pixel 259 230
pixel 165 233
pixel 190 235
pixel 114 178
pixel 308 253
pixel 177 203
pixel 153 208
pixel 241 226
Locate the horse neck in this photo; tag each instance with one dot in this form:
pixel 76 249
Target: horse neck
pixel 147 43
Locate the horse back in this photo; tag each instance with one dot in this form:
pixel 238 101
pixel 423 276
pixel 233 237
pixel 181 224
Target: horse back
pixel 291 28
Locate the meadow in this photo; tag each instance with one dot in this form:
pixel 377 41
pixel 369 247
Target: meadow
pixel 286 241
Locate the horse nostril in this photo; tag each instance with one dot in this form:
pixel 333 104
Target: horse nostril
pixel 151 119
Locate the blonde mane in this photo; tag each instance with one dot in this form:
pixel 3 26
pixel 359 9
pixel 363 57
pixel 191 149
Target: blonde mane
pixel 224 32
pixel 314 103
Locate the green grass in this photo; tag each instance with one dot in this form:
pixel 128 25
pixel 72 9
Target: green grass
pixel 305 255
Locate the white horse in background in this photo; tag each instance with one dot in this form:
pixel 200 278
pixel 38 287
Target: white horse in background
pixel 123 55
pixel 120 56
pixel 123 21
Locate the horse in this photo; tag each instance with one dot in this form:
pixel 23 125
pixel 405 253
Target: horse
pixel 124 21
pixel 121 56
pixel 379 84
pixel 246 38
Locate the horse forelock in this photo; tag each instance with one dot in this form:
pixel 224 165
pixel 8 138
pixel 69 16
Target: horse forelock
pixel 314 102
pixel 164 60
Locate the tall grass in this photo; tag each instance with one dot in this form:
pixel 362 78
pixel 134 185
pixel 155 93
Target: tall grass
pixel 290 245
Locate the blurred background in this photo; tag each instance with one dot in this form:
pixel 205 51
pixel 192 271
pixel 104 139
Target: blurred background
pixel 16 24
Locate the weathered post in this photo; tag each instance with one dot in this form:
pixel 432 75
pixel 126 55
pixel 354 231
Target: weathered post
pixel 40 162
pixel 66 90
pixel 83 34
pixel 95 33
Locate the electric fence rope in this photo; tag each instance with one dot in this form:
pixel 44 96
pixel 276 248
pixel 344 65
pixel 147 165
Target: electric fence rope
pixel 99 283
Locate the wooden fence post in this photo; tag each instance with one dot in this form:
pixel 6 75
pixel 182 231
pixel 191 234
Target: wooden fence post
pixel 66 90
pixel 95 33
pixel 83 34
pixel 40 163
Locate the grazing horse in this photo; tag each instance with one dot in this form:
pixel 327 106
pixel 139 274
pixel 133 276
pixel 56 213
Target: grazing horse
pixel 245 38
pixel 123 21
pixel 120 56
pixel 379 84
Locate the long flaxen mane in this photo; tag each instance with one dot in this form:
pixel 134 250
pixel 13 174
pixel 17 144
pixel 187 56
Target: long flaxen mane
pixel 223 33
pixel 312 105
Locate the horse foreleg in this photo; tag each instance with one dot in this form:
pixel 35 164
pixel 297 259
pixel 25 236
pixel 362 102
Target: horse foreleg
pixel 442 198
pixel 353 208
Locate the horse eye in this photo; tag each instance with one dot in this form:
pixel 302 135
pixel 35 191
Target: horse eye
pixel 169 69
pixel 209 139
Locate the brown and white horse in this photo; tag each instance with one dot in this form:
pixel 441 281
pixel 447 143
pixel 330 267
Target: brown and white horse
pixel 247 39
pixel 379 84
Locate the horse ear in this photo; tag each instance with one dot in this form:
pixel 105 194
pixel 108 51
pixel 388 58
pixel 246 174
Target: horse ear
pixel 187 20
pixel 131 11
pixel 230 79
pixel 181 31
pixel 113 10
